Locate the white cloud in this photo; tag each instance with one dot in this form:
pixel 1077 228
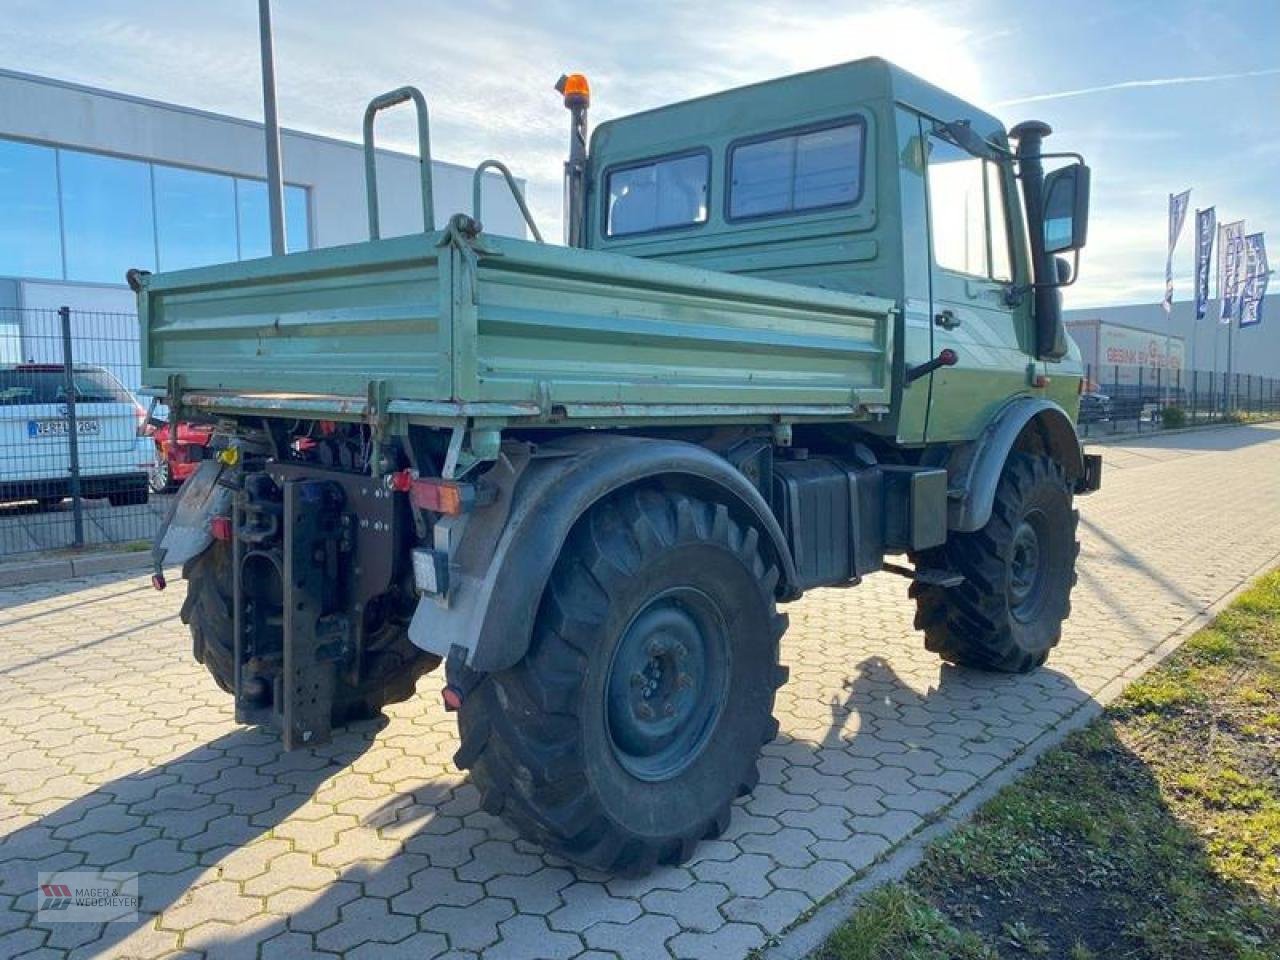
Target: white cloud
pixel 1140 84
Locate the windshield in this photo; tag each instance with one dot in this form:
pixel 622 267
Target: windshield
pixel 48 384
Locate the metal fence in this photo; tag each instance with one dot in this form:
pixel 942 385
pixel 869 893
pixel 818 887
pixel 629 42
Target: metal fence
pixel 73 469
pixel 1128 399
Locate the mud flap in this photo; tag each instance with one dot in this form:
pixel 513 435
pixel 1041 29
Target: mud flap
pixel 184 532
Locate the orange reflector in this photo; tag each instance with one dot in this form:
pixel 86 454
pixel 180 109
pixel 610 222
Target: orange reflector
pixel 441 496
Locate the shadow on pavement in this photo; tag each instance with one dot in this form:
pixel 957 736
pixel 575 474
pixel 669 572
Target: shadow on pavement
pixel 177 821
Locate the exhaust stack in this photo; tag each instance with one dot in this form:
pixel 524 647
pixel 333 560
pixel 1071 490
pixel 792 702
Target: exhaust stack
pixel 1050 340
pixel 577 98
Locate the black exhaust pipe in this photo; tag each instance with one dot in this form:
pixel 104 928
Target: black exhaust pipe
pixel 1051 341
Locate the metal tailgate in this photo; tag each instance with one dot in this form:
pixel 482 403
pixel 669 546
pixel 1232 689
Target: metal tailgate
pixel 322 322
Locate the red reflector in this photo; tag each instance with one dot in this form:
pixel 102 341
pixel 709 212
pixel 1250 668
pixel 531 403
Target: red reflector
pixel 441 496
pixel 1040 382
pixel 402 481
pixel 158 581
pixel 220 527
pixel 948 357
pixel 452 698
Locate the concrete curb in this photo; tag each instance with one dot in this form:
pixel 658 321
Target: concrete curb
pixel 16 574
pixel 810 933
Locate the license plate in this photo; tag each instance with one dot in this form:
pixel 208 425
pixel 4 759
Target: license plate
pixel 58 428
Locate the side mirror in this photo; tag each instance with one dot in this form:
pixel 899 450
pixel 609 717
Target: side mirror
pixel 1066 208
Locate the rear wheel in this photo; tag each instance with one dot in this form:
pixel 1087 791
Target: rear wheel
pixel 638 713
pixel 1019 570
pixel 393 663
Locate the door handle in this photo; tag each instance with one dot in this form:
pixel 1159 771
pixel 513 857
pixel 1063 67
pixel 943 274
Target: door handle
pixel 946 319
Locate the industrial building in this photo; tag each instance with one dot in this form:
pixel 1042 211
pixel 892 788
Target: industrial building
pixel 93 182
pixel 1254 350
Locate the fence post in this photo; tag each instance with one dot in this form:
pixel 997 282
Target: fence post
pixel 1195 389
pixel 1115 381
pixel 73 427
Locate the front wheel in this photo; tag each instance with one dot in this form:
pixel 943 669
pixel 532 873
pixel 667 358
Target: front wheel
pixel 638 712
pixel 1019 570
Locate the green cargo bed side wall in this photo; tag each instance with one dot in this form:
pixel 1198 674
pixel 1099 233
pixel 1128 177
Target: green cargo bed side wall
pixel 507 320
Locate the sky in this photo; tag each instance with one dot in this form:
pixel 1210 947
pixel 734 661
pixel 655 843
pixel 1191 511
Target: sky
pixel 1159 96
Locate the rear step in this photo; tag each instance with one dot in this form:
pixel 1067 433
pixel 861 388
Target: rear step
pixel 930 577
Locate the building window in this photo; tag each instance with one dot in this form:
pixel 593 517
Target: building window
pixel 796 172
pixel 255 219
pixel 115 213
pixel 107 219
pixel 30 243
pixel 658 195
pixel 195 218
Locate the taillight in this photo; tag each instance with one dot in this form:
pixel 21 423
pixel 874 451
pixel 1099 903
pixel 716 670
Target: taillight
pixel 449 497
pixel 441 496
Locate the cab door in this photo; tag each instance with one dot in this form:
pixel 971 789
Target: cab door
pixel 975 310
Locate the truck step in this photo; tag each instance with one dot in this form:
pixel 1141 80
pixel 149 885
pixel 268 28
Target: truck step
pixel 934 578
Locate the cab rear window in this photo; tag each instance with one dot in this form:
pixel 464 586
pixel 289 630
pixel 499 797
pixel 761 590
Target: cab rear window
pixel 48 384
pixel 662 194
pixel 796 171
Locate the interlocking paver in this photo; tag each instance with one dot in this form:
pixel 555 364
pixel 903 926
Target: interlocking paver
pixel 125 755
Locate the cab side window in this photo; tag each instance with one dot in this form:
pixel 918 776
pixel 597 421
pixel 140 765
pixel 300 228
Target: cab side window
pixel 967 215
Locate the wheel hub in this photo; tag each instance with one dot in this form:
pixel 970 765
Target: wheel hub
pixel 666 684
pixel 1026 567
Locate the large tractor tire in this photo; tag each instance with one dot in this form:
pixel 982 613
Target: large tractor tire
pixel 638 713
pixel 393 664
pixel 1018 573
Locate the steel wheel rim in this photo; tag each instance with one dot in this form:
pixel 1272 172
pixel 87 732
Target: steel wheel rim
pixel 667 684
pixel 1028 566
pixel 160 474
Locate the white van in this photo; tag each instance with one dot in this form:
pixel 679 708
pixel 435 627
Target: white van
pixel 35 456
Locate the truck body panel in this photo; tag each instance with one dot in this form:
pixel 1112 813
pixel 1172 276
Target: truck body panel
pixel 498 321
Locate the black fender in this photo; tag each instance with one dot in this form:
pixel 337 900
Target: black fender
pixel 974 468
pixel 494 596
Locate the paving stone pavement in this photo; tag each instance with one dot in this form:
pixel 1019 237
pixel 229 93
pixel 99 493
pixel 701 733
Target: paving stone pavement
pixel 118 752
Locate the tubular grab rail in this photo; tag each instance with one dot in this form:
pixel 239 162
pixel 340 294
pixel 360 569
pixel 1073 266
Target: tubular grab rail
pixel 382 102
pixel 477 181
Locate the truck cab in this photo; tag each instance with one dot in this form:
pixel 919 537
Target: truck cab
pixel 862 178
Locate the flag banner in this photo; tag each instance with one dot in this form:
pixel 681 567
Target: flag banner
pixel 1177 214
pixel 1206 223
pixel 1231 270
pixel 1256 280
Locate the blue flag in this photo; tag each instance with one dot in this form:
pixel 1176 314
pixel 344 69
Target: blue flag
pixel 1257 276
pixel 1206 224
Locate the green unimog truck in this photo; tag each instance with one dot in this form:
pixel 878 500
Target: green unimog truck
pixel 799 327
